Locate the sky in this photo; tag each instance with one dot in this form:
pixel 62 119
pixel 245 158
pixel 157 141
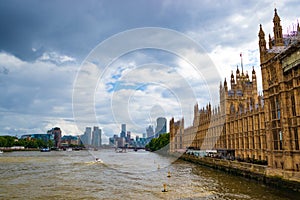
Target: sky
pixel 74 64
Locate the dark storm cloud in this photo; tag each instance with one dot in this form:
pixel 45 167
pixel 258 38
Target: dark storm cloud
pixel 75 27
pixel 68 27
pixel 44 25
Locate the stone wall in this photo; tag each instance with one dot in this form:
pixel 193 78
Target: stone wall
pixel 260 173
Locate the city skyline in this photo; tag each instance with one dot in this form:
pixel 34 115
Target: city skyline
pixel 42 50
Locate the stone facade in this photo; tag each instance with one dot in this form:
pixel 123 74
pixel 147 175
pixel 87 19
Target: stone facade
pixel 252 126
pixel 281 85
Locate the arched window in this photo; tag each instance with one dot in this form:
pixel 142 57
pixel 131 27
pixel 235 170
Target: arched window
pixel 251 103
pixel 232 109
pixel 241 108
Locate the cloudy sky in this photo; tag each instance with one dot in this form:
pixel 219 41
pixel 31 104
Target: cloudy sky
pixel 102 63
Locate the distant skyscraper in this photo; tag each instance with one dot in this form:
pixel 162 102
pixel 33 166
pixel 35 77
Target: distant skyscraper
pixel 120 142
pixel 96 137
pixel 161 126
pixel 123 131
pixel 128 137
pixel 150 131
pixel 87 137
pixel 56 132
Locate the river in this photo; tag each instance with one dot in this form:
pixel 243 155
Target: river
pixel 131 175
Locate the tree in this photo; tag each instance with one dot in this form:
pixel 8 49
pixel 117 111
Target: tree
pixel 158 143
pixel 7 141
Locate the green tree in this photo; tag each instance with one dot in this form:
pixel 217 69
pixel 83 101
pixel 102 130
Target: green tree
pixel 158 143
pixel 2 141
pixel 7 141
pixel 20 142
pixel 31 144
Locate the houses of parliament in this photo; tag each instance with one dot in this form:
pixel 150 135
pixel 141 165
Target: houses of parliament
pixel 248 125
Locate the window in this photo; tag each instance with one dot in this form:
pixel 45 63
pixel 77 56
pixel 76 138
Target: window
pixel 277 104
pixel 232 109
pixel 296 138
pixel 280 140
pixel 273 113
pixel 241 109
pixel 275 139
pixel 251 103
pixel 293 105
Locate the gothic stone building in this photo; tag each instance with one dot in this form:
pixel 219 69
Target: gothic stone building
pixel 281 85
pixel 249 125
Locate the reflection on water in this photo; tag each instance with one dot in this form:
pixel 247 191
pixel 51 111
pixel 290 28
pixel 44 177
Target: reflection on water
pixel 131 175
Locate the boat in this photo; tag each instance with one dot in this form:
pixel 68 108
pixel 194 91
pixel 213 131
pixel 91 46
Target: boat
pixel 69 149
pixel 120 150
pixel 1 151
pixel 98 160
pixel 45 149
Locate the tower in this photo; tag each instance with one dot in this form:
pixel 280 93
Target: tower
pixel 87 138
pixel 123 131
pixel 96 137
pixel 149 131
pixel 277 29
pixel 262 44
pixel 270 42
pixel 56 132
pixel 254 86
pixel 161 126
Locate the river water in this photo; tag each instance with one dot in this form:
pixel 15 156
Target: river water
pixel 131 175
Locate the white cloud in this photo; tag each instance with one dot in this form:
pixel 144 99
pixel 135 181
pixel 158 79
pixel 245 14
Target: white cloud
pixel 140 91
pixel 34 92
pixel 56 58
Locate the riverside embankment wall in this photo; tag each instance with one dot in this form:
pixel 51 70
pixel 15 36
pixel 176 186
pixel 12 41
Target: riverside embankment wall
pixel 256 172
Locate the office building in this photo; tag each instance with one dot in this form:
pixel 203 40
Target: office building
pixel 56 132
pixel 123 131
pixel 161 126
pixel 86 138
pixel 96 137
pixel 149 131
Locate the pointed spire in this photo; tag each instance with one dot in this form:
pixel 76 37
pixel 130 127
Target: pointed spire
pixel 262 43
pixel 253 71
pixel 232 81
pixel 237 70
pixel 276 17
pixel 270 42
pixel 261 33
pixel 241 55
pixel 277 29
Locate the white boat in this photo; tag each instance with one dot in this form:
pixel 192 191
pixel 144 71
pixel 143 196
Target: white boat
pixel 69 149
pixel 98 160
pixel 1 151
pixel 120 150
